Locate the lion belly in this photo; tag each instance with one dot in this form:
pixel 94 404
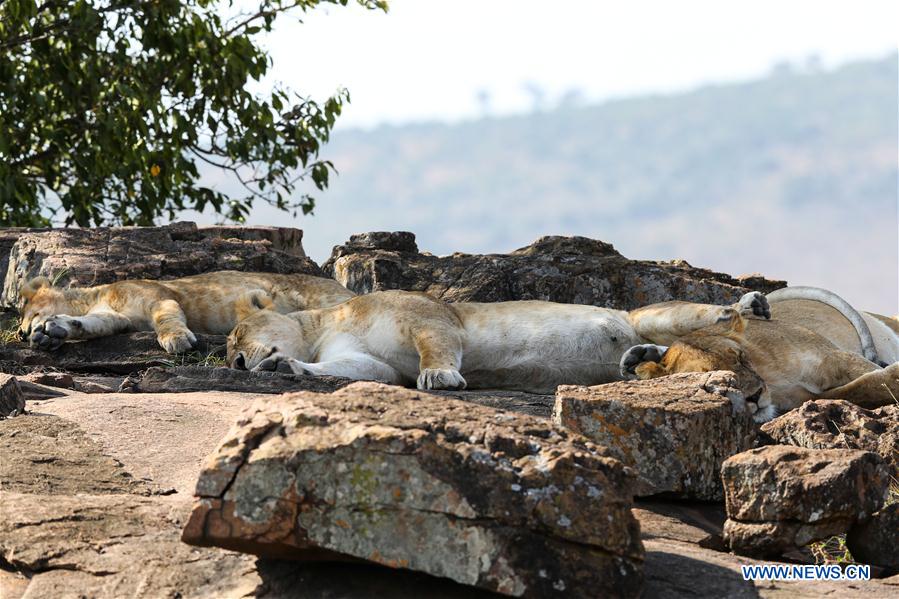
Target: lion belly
pixel 539 345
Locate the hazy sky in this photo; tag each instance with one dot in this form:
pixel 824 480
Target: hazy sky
pixel 429 59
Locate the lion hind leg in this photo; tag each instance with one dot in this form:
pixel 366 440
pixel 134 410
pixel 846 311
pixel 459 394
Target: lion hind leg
pixel 439 359
pixel 870 390
pixel 170 325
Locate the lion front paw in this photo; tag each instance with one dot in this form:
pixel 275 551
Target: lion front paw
pixel 53 332
pixel 278 362
pixel 176 343
pixel 638 354
pixel 754 304
pixel 441 379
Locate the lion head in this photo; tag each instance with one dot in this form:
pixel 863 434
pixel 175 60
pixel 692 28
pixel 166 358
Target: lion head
pixel 40 301
pixel 261 332
pixel 715 348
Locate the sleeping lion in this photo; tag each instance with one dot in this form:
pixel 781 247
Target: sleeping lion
pixel 176 310
pixel 403 337
pixel 806 351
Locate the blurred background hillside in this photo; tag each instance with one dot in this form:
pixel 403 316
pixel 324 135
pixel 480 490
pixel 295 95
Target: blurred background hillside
pixel 758 137
pixel 793 175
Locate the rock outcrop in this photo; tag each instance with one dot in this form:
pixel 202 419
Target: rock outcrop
pixel 876 541
pixel 782 497
pixel 12 400
pixel 392 476
pixel 84 257
pixel 838 424
pixel 573 270
pixel 674 431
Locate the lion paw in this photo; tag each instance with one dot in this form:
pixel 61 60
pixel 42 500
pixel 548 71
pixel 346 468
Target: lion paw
pixel 284 364
pixel 638 354
pixel 53 332
pixel 754 304
pixel 176 343
pixel 441 379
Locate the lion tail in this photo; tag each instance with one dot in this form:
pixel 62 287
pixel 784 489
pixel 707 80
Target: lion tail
pixel 834 301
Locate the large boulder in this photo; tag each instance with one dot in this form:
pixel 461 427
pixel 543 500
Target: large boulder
pixel 674 431
pixel 572 270
pixel 85 257
pixel 839 424
pixel 397 477
pixel 781 497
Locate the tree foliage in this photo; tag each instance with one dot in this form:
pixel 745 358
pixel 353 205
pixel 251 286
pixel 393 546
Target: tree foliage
pixel 107 107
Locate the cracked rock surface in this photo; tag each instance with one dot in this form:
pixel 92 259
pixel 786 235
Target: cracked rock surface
pixel 388 475
pixel 574 270
pixel 780 497
pixel 674 431
pixel 838 424
pixel 107 254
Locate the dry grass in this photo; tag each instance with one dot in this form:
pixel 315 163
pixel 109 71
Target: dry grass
pixel 195 358
pixel 9 328
pixel 832 551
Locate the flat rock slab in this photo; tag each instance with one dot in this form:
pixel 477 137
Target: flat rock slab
pixel 838 424
pixel 96 256
pixel 781 497
pixel 393 476
pixel 160 438
pixel 675 431
pixel 198 378
pixel 573 270
pixel 183 379
pixel 113 546
pixel 45 454
pixel 116 354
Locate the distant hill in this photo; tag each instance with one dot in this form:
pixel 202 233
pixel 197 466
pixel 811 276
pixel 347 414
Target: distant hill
pixel 793 175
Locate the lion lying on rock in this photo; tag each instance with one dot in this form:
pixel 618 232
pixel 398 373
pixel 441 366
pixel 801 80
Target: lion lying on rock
pixel 176 309
pixel 806 351
pixel 402 337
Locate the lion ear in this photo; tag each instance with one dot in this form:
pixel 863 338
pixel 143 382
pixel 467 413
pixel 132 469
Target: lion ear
pixel 31 288
pixel 650 370
pixel 252 302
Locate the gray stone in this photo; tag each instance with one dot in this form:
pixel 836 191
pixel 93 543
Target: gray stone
pixel 572 270
pixel 674 431
pixel 86 257
pixel 397 477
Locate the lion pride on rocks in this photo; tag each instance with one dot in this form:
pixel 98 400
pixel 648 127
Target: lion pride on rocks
pixel 404 337
pixel 176 310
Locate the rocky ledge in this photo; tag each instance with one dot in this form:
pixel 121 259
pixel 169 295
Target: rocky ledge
pixel 391 476
pixel 574 270
pixel 85 257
